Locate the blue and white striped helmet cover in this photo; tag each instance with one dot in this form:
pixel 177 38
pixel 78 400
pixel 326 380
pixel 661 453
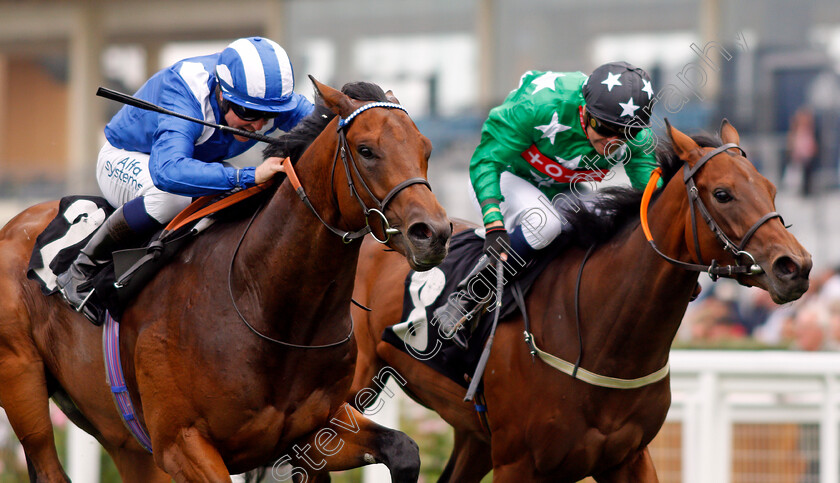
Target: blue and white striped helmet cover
pixel 256 73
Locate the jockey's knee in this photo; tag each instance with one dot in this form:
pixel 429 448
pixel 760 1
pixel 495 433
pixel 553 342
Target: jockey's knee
pixel 540 228
pixel 163 207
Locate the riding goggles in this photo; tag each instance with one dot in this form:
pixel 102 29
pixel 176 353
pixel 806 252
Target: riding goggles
pixel 609 130
pixel 250 114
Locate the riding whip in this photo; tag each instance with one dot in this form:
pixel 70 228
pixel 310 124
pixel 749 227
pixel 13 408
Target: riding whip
pixel 482 362
pixel 148 106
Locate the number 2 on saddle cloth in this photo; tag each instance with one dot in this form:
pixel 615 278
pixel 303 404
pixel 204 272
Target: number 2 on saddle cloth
pixel 116 284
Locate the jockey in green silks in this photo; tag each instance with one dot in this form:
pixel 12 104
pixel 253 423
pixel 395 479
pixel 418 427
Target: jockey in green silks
pixel 552 136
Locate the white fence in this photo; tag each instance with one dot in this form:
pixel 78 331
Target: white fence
pixel 729 405
pixel 736 416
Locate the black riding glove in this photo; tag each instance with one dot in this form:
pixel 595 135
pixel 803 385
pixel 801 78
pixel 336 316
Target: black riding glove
pixel 498 240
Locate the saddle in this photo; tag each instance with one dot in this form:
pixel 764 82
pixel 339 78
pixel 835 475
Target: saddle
pixel 419 334
pixel 117 283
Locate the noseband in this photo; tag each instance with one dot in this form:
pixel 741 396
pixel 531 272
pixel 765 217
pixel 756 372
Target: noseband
pixel 737 250
pixel 714 270
pixel 343 151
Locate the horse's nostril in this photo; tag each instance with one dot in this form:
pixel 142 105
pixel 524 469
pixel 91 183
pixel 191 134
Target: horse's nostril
pixel 785 267
pixel 420 232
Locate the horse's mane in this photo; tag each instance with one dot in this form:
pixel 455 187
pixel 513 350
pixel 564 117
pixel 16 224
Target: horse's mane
pixel 295 142
pixel 616 208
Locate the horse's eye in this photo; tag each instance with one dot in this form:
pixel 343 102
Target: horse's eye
pixel 365 152
pixel 722 196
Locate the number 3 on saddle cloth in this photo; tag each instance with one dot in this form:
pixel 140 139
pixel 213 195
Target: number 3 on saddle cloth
pixel 419 334
pixel 78 217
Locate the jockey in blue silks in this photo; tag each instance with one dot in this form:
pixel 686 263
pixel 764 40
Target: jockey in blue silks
pixel 153 164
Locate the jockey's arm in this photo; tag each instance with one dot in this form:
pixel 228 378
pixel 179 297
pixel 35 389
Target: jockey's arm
pixel 502 140
pixel 174 170
pixel 642 160
pixel 268 169
pixel 171 163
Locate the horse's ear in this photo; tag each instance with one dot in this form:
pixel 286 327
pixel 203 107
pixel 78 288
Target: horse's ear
pixel 684 146
pixel 333 98
pixel 391 97
pixel 728 134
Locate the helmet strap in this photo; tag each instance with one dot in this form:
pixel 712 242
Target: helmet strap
pixel 224 105
pixel 584 117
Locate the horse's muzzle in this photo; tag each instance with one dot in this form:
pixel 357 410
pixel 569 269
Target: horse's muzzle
pixel 790 277
pixel 427 244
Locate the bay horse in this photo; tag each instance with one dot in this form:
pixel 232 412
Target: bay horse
pixel 215 395
pixel 545 426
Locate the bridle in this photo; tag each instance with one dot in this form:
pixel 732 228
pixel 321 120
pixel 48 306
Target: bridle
pixel 714 270
pixel 343 150
pixel 737 250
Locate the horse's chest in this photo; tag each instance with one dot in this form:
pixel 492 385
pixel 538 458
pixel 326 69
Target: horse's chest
pixel 607 430
pixel 264 432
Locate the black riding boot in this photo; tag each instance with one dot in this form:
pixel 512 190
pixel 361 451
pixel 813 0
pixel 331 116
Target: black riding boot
pixel 75 284
pixel 465 306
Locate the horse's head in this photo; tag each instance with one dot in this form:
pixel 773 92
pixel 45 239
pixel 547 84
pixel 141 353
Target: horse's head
pixel 735 218
pixel 385 158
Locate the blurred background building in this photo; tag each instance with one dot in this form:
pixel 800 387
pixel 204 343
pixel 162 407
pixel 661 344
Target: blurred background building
pixel 755 62
pixel 772 67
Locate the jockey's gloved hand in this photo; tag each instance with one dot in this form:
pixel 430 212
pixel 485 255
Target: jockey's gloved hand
pixel 496 242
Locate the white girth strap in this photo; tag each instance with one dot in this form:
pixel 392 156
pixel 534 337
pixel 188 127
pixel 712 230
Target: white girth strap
pixel 597 379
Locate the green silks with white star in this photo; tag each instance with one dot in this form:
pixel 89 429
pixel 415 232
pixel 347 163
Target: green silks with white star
pixel 537 134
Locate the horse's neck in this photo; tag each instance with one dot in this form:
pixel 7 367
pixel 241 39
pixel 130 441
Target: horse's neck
pixel 302 268
pixel 632 300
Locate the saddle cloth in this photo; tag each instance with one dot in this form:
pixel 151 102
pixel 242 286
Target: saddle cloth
pixel 78 217
pixel 419 334
pixel 60 242
pixel 58 245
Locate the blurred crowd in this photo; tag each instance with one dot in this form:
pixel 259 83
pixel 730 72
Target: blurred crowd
pixel 727 315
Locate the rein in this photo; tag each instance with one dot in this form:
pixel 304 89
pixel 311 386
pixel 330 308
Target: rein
pixel 251 327
pixel 714 270
pixel 343 151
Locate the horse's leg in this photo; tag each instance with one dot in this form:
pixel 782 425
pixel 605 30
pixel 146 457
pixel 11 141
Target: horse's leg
pixel 137 467
pixel 367 334
pixel 352 440
pixel 23 394
pixel 638 470
pixel 190 457
pixel 470 460
pixel 522 470
pixel 368 366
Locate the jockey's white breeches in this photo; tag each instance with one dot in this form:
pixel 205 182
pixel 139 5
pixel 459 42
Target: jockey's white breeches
pixel 124 175
pixel 542 220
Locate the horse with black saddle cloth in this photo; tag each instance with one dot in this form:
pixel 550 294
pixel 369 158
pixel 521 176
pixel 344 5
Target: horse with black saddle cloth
pixel 576 383
pixel 117 283
pixel 238 353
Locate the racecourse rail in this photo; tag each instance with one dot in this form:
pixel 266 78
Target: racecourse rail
pixel 716 397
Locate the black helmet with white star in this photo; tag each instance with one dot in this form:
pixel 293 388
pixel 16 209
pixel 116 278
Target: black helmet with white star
pixel 619 94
